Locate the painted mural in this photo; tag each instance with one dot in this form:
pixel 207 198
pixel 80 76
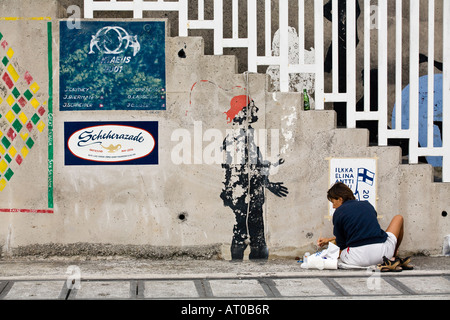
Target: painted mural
pixel 111 65
pixel 24 111
pixel 423 110
pixel 246 179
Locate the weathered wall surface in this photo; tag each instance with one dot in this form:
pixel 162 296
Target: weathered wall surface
pixel 175 207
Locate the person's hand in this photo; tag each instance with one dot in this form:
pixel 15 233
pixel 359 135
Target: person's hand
pixel 278 189
pixel 323 241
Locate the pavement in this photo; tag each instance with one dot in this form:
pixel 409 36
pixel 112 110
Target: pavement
pixel 188 281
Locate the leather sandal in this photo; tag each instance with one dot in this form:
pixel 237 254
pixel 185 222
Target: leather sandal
pixel 404 263
pixel 389 265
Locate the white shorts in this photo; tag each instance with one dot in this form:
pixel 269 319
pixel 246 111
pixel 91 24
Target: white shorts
pixel 371 254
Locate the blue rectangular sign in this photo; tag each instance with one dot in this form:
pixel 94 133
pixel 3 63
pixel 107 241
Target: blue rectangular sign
pixel 112 65
pixel 111 143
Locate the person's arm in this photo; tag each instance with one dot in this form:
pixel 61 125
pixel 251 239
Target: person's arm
pixel 324 241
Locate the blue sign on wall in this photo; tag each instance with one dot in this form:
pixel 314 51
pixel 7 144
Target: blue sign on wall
pixel 111 143
pixel 113 65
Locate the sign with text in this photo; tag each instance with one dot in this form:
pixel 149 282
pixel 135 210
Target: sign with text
pixel 359 174
pixel 112 65
pixel 111 143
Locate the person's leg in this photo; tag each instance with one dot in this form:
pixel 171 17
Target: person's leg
pixel 396 228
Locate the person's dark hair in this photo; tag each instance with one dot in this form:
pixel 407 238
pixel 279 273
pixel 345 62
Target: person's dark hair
pixel 340 190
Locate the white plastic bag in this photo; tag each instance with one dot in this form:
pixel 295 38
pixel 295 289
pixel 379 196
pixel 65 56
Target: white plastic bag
pixel 325 259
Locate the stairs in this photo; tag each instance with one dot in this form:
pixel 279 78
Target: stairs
pixel 307 140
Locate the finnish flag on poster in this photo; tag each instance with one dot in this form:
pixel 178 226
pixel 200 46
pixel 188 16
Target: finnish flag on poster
pixel 366 176
pixel 359 174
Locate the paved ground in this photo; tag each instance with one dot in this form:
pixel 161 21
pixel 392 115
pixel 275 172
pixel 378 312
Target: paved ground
pixel 195 280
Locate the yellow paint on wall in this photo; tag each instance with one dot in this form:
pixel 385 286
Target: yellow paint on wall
pixel 12 151
pixel 24 152
pixel 13 72
pixel 34 103
pixel 2 184
pixel 10 116
pixel 34 87
pixel 23 118
pixel 41 126
pixel 3 166
pixel 10 53
pixel 25 18
pixel 10 100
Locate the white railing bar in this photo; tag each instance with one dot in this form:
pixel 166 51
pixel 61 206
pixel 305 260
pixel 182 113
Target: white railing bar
pixel 252 36
pixel 201 24
pixel 318 59
pixel 268 28
pixel 284 45
pixel 138 9
pixel 371 115
pixel 414 80
pixel 301 31
pixel 430 152
pixel 88 9
pixel 367 28
pixel 235 19
pixel 351 63
pixel 111 6
pixel 398 63
pixel 446 92
pixel 302 68
pixel 399 134
pixel 182 18
pixel 201 9
pixel 335 97
pixel 218 28
pixel 430 120
pixel 235 43
pixel 335 45
pixel 265 61
pixel 162 6
pixel 91 6
pixel 382 71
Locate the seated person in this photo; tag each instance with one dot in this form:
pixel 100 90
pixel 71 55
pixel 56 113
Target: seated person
pixel 358 234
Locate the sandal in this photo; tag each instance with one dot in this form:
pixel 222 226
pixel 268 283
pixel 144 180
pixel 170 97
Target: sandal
pixel 389 265
pixel 404 263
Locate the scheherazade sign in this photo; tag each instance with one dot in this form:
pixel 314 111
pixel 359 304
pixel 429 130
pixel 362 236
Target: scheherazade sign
pixel 113 65
pixel 111 143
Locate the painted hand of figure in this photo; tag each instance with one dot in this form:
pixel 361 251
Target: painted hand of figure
pixel 278 189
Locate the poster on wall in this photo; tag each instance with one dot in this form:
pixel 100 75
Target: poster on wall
pixel 112 65
pixel 359 174
pixel 111 143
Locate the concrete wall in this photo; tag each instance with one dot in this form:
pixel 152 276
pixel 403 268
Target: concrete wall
pixel 174 209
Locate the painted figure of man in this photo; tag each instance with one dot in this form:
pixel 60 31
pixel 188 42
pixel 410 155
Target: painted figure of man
pixel 246 177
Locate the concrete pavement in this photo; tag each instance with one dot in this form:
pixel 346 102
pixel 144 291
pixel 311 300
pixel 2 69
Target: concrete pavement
pixel 188 279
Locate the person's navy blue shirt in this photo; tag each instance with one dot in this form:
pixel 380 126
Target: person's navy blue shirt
pixel 355 224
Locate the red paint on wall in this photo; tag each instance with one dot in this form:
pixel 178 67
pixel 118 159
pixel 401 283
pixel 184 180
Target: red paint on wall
pixel 26 210
pixel 7 80
pixel 28 77
pixel 237 104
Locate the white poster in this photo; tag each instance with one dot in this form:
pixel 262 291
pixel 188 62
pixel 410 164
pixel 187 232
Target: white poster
pixel 359 174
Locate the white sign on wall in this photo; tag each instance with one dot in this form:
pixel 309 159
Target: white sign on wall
pixel 359 174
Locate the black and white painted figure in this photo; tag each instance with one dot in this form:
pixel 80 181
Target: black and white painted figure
pixel 246 178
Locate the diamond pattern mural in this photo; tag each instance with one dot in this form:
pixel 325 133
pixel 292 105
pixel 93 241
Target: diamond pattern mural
pixel 22 116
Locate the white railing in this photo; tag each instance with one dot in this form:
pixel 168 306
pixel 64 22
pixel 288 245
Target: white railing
pixel 321 97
